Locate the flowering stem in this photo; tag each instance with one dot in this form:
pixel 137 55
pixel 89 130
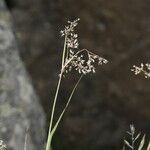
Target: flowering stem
pixel 48 144
pixel 52 114
pixel 77 61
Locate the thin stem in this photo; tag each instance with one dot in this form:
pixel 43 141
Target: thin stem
pixel 48 144
pixel 52 114
pixel 132 141
pixel 124 148
pixel 67 104
pixel 67 52
pixel 64 51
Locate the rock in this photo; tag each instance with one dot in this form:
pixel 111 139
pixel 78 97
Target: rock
pixel 19 105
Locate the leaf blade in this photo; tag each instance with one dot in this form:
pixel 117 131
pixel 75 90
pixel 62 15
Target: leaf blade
pixel 142 143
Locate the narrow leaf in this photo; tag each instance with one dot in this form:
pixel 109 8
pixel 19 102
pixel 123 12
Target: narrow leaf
pixel 128 144
pixel 123 147
pixel 148 148
pixel 129 133
pixel 137 137
pixel 142 143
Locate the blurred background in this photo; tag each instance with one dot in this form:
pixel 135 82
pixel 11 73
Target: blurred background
pixel 107 102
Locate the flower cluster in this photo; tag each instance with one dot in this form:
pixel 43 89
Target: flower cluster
pixel 2 145
pixel 71 37
pixel 84 61
pixel 81 60
pixel 70 28
pixel 72 41
pixel 138 70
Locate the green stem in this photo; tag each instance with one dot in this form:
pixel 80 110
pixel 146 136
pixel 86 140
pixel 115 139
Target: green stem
pixel 25 141
pixel 132 141
pixel 66 106
pixel 49 139
pixel 64 51
pixel 52 115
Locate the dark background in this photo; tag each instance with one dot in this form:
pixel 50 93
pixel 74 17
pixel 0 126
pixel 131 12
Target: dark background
pixel 107 102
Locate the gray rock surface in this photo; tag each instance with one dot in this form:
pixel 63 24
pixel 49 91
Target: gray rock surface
pixel 19 106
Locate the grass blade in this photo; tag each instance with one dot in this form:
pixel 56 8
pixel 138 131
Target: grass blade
pixel 128 144
pixel 142 143
pixel 148 148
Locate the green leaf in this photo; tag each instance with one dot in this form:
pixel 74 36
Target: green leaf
pixel 137 137
pixel 148 148
pixel 142 143
pixel 128 144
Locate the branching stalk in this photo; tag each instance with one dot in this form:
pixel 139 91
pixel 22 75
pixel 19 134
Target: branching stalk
pixel 72 57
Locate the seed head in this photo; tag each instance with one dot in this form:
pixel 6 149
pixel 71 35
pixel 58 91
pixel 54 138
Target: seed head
pixel 81 60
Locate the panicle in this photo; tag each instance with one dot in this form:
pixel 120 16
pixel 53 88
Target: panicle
pixel 81 60
pixel 84 61
pixel 70 27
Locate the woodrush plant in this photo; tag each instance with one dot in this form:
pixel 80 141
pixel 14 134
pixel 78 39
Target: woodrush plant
pixel 136 142
pixel 81 60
